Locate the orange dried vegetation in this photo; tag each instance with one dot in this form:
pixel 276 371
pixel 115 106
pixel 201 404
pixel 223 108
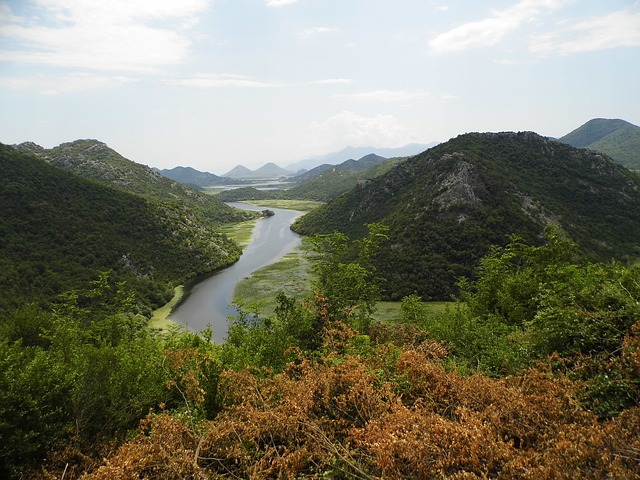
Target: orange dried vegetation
pixel 353 416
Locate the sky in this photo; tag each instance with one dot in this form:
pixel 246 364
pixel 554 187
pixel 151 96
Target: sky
pixel 216 83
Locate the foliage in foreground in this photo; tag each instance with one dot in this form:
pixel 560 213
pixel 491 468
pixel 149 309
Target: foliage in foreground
pixel 392 412
pixel 534 376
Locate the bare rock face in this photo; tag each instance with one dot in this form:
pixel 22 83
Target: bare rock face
pixel 459 187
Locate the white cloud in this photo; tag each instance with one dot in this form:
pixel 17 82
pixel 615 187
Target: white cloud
pixel 73 82
pixel 279 3
pixel 317 30
pixel 333 81
pixel 385 95
pixel 102 35
pixel 349 128
pixel 491 30
pixel 618 29
pixel 222 80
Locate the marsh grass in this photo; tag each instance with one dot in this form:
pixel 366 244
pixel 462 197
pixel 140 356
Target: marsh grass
pixel 288 275
pixel 300 205
pixel 241 233
pixel 389 312
pixel 159 320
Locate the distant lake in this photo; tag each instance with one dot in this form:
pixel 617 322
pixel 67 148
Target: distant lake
pixel 209 302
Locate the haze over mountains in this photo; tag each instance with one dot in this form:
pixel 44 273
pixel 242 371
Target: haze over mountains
pixel 268 170
pixel 357 153
pixel 617 138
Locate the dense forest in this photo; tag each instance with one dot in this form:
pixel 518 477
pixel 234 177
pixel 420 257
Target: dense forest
pixel 58 231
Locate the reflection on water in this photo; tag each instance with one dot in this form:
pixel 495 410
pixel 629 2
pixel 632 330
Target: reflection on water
pixel 209 303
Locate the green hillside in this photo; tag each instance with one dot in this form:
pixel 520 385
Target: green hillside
pixel 448 205
pixel 332 183
pixel 191 176
pixel 322 187
pixel 58 231
pixel 95 160
pixel 617 138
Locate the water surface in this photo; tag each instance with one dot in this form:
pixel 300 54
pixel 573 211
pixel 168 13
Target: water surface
pixel 209 302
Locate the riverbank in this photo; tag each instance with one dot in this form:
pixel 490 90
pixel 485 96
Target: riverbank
pixel 159 320
pixel 209 303
pixel 242 234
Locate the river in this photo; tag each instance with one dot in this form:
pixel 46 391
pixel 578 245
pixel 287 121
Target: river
pixel 209 301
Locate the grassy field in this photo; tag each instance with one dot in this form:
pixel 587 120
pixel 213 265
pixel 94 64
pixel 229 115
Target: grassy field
pixel 390 311
pixel 241 233
pixel 300 205
pixel 289 275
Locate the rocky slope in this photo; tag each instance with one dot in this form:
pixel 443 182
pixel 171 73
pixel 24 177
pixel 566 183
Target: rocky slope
pixel 448 205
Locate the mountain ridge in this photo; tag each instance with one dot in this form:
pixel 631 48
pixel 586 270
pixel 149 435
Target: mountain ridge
pixel 191 176
pixel 446 206
pixel 347 153
pixel 93 159
pixel 614 137
pixel 59 231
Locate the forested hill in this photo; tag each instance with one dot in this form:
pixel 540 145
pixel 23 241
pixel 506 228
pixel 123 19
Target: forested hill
pixel 617 138
pixel 58 231
pixel 95 160
pixel 448 205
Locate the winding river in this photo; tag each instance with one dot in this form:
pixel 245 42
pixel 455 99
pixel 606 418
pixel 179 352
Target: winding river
pixel 209 301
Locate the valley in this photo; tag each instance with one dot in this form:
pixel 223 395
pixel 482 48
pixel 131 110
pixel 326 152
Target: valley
pixel 471 310
pixel 208 302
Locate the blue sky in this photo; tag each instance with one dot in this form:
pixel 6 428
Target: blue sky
pixel 216 83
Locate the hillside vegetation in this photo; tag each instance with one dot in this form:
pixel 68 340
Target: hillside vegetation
pixel 447 206
pixel 534 375
pixel 326 185
pixel 617 138
pixel 58 231
pixel 95 160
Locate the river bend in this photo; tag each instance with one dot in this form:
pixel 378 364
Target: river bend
pixel 209 301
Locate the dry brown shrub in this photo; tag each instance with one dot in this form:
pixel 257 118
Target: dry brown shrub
pixel 416 443
pixel 296 422
pixel 165 448
pixel 338 417
pixel 429 381
pixel 400 334
pixel 597 451
pixel 525 409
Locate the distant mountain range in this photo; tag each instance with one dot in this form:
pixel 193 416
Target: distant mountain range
pixel 350 165
pixel 614 137
pixel 269 170
pixel 347 153
pixel 193 177
pixel 322 183
pixel 446 206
